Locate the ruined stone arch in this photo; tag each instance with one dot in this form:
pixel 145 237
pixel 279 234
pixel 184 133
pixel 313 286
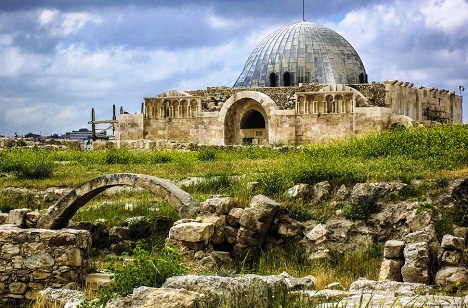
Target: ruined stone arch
pixel 246 103
pixel 59 214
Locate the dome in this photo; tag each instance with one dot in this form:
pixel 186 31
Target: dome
pixel 299 53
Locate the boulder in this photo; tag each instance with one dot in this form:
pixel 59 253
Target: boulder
pixel 238 291
pixel 192 232
pixel 145 297
pixel 342 193
pixel 234 216
pixel 453 242
pixel 259 215
pixel 387 287
pixel 61 298
pixel 17 217
pixel 320 190
pixel 452 278
pixel 117 234
pixel 450 258
pixel 218 204
pixel 299 191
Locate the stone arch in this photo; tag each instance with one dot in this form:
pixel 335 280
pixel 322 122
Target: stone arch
pixel 237 106
pixel 358 97
pixel 59 214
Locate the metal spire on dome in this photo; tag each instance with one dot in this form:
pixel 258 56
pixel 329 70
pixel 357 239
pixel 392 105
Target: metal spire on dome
pixel 303 18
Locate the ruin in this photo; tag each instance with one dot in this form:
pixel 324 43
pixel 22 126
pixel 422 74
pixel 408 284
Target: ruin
pixel 303 84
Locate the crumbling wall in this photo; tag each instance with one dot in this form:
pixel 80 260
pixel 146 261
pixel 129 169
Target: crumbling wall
pixel 34 259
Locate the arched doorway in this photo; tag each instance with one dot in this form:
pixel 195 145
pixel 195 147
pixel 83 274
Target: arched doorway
pixel 246 122
pixel 252 127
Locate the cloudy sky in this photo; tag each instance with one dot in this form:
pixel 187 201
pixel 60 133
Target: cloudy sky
pixel 60 58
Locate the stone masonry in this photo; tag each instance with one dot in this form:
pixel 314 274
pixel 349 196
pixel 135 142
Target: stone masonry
pixel 34 259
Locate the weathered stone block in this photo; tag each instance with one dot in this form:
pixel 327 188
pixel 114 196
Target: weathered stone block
pixel 17 217
pixel 234 216
pixel 219 222
pixel 40 260
pixel 453 242
pixel 18 288
pixel 390 270
pixel 416 268
pixel 192 232
pixel 451 258
pixel 452 278
pixel 394 249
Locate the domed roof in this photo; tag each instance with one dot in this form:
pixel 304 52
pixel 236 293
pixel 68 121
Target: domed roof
pixel 302 52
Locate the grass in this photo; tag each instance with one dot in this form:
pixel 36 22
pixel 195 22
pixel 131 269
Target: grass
pixel 343 267
pixel 439 154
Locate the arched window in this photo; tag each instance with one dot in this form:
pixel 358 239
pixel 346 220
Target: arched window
pixel 361 78
pixel 273 80
pixel 287 79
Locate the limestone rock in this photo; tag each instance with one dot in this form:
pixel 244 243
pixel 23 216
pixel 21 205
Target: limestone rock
pixel 96 281
pixel 17 217
pixel 320 191
pixel 259 215
pixel 145 297
pixel 416 268
pixel 342 193
pixel 318 234
pixel 299 191
pixel 453 242
pixel 390 270
pixel 31 219
pixel 220 205
pixel 388 287
pixel 420 221
pixel 452 278
pixel 18 288
pixel 61 298
pixel 394 249
pixel 418 237
pixel 450 258
pixel 117 234
pixel 192 232
pixel 231 291
pixel 234 216
pixel 219 223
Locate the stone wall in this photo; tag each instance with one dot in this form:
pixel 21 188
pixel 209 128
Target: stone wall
pixel 309 113
pixel 34 259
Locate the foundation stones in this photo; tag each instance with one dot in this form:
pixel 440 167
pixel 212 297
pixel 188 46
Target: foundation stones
pixel 452 274
pixel 393 261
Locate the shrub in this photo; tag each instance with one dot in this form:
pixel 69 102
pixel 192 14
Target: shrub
pixel 207 155
pixel 143 270
pixel 112 157
pixel 361 210
pixel 160 158
pixel 29 164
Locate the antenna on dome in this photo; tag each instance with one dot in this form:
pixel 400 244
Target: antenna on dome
pixel 303 18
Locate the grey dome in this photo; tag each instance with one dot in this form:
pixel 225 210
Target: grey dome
pixel 302 52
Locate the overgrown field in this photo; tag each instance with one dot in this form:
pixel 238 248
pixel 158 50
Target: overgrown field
pixel 439 153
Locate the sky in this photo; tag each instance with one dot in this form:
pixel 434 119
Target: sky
pixel 60 58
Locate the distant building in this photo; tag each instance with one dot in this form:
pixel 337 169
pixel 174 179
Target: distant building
pixel 303 83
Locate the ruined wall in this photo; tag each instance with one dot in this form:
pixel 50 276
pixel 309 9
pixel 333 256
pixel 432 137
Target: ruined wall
pixel 129 127
pixel 423 104
pixel 34 259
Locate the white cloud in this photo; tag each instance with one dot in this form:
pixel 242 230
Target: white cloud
pixel 64 24
pixel 450 16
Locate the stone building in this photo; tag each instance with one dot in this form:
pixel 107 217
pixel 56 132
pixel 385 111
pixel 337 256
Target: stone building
pixel 303 83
